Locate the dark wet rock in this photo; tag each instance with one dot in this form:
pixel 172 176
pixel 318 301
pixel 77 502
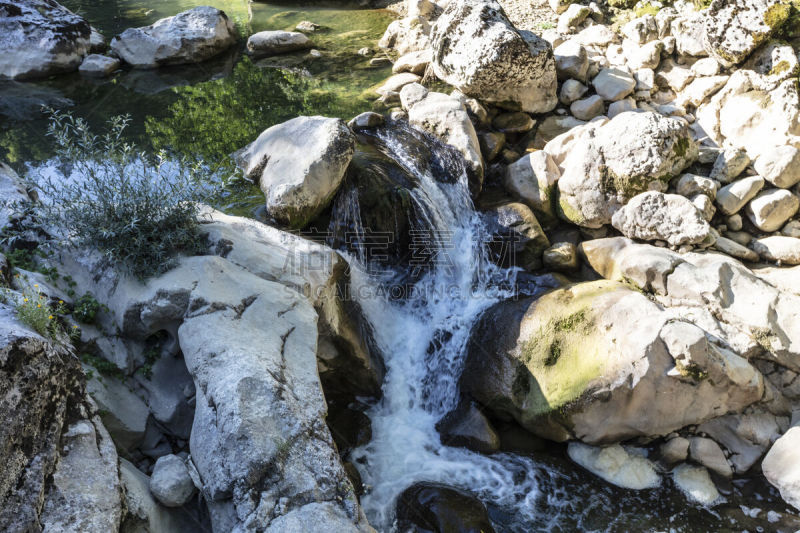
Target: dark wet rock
pixel 467 427
pixel 435 508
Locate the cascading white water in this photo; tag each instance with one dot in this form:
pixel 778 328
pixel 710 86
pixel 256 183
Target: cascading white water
pixel 423 339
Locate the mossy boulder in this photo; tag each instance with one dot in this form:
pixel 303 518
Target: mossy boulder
pixel 598 361
pixel 735 28
pixel 631 154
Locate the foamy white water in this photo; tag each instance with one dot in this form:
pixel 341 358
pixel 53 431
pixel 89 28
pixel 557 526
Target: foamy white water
pixel 423 341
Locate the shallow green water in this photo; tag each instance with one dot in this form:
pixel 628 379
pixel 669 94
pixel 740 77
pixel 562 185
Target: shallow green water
pixel 209 109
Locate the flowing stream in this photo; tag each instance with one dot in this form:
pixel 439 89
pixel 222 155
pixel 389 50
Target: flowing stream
pixel 423 337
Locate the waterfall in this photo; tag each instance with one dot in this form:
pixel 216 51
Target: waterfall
pixel 423 338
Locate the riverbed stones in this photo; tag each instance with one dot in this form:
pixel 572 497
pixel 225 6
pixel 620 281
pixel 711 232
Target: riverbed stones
pixel 654 216
pixel 477 50
pixel 780 166
pixel 517 238
pixel 270 43
pixel 188 37
pixel 632 153
pixel 674 450
pixel 613 84
pixel 779 248
pixel 735 196
pixel 572 61
pixel 588 108
pixel 413 62
pixel 729 165
pixel 572 90
pixel 170 482
pixel 709 454
pixel 561 256
pixel 781 466
pixel 532 179
pixel 39 38
pixel 770 209
pixel 615 464
pixel 735 28
pixel 299 165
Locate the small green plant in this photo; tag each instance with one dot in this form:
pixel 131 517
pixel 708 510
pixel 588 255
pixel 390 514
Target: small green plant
pixel 105 367
pixel 86 308
pixel 139 210
pixel 34 311
pixel 546 25
pixel 151 355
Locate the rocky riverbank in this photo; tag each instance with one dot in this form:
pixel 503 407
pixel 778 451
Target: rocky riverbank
pixel 639 162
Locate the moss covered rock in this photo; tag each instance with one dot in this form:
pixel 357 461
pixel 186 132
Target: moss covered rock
pixel 601 362
pixel 631 154
pixel 735 28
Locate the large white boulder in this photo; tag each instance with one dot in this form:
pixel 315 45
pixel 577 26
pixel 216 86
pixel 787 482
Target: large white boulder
pixel 39 38
pixel 632 153
pixel 781 466
pixel 478 50
pixel 299 166
pixel 654 216
pixel 188 37
pixel 734 28
pixel 601 363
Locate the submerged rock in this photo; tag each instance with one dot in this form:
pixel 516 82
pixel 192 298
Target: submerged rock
pixel 436 507
pixel 98 65
pixel 270 43
pixel 299 166
pixel 478 50
pixel 189 37
pixel 616 465
pixel 39 38
pixel 695 482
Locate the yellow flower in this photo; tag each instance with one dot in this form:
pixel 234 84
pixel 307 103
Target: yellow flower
pixel 38 305
pixel 74 327
pixel 50 317
pixel 25 300
pixel 36 285
pixel 61 302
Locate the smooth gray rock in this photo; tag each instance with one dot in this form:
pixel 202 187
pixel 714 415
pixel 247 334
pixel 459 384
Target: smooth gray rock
pixel 632 153
pixel 299 166
pixel 270 43
pixel 654 216
pixel 613 84
pixel 98 65
pixel 170 482
pixel 188 37
pixel 781 466
pixel 735 196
